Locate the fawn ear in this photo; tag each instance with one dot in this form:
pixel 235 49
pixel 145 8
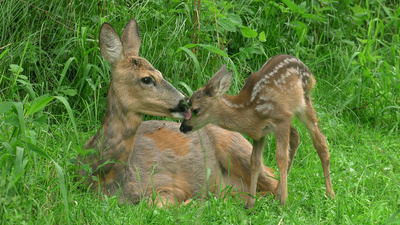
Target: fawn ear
pixel 219 83
pixel 110 44
pixel 130 38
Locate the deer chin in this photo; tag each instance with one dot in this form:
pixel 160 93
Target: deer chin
pixel 180 111
pixel 178 115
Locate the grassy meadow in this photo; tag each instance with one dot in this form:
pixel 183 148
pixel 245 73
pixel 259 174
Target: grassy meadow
pixel 54 82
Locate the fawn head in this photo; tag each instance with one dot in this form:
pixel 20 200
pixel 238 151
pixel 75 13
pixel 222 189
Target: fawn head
pixel 137 86
pixel 204 102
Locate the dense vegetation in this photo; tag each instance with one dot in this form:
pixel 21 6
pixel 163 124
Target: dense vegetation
pixel 54 82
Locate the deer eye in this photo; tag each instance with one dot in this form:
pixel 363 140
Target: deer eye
pixel 146 80
pixel 195 111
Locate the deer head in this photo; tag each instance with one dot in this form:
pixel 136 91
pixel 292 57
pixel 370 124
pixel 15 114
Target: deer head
pixel 204 102
pixel 139 88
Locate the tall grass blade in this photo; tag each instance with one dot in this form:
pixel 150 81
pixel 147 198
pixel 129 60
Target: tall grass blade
pixel 19 162
pixel 39 105
pixel 20 114
pixel 36 149
pixel 64 71
pixel 193 57
pixel 63 188
pixel 214 49
pixel 70 113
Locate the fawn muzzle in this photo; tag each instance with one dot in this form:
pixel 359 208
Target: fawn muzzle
pixel 185 128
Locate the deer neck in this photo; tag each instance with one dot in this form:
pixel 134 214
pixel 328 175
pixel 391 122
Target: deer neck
pixel 114 141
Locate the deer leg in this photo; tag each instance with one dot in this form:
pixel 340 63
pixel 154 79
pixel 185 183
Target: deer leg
pixel 293 145
pixel 282 158
pixel 310 120
pixel 256 167
pixel 237 160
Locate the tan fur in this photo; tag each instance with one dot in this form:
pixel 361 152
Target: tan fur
pixel 267 102
pixel 173 141
pixel 152 160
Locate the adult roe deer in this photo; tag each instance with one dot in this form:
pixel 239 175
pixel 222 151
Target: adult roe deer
pixel 267 102
pixel 153 160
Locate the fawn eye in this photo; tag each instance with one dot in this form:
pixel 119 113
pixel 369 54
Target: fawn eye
pixel 195 111
pixel 146 80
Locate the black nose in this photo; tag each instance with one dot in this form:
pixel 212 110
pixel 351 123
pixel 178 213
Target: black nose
pixel 181 107
pixel 184 128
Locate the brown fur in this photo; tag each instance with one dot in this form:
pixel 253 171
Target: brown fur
pixel 269 99
pixel 153 160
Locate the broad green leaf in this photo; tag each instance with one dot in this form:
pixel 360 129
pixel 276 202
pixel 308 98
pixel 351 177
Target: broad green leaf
pixel 69 92
pixel 226 24
pixel 313 17
pixel 16 69
pixel 262 37
pixel 291 5
pixel 5 107
pixel 235 19
pixel 248 32
pixel 39 105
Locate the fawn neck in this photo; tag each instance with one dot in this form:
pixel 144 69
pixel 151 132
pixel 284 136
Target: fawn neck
pixel 233 113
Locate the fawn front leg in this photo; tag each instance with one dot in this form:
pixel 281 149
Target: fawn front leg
pixel 256 166
pixel 282 159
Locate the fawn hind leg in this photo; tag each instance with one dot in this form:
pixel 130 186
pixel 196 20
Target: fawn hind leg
pixel 309 118
pixel 282 136
pixel 293 145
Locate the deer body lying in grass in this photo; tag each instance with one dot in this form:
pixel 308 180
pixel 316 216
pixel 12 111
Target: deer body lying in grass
pixel 153 160
pixel 268 101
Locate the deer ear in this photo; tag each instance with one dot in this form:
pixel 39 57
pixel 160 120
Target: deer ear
pixel 110 44
pixel 130 38
pixel 219 83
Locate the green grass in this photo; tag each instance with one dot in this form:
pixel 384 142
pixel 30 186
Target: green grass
pixel 54 81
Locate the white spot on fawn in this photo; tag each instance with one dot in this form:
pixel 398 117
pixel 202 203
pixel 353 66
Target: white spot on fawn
pixel 265 80
pixel 230 104
pixel 265 108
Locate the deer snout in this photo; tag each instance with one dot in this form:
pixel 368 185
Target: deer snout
pixel 185 128
pixel 179 111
